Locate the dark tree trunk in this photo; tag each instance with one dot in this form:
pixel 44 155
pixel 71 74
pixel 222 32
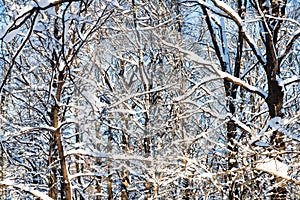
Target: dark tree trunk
pixel 272 69
pixel 230 92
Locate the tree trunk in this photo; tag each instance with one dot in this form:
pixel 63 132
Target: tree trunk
pixel 52 158
pixel 2 133
pixel 275 91
pixel 65 182
pixel 124 184
pixel 230 92
pixel 109 162
pixel 79 168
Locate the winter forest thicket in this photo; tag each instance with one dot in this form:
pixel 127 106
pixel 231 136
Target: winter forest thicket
pixel 149 99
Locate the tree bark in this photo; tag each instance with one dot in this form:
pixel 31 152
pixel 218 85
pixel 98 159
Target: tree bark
pixel 231 94
pixel 275 91
pixel 52 157
pixel 2 131
pixel 124 184
pixel 109 162
pixel 65 182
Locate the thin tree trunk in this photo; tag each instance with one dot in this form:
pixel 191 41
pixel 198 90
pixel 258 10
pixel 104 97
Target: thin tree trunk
pixel 98 162
pixel 52 157
pixel 52 180
pixel 124 184
pixel 65 183
pixel 231 93
pixel 2 132
pixel 125 173
pixel 146 140
pixel 79 166
pixel 109 164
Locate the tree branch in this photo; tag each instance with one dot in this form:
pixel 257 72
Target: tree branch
pixel 27 189
pixel 289 45
pixel 239 22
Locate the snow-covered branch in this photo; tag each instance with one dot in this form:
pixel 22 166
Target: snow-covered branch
pixel 140 94
pixel 239 22
pixel 290 44
pixel 291 80
pixel 194 57
pixel 242 126
pixel 276 168
pixel 243 84
pixel 27 189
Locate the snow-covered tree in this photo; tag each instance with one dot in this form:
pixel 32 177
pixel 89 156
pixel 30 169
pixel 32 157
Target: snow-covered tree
pixel 149 99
